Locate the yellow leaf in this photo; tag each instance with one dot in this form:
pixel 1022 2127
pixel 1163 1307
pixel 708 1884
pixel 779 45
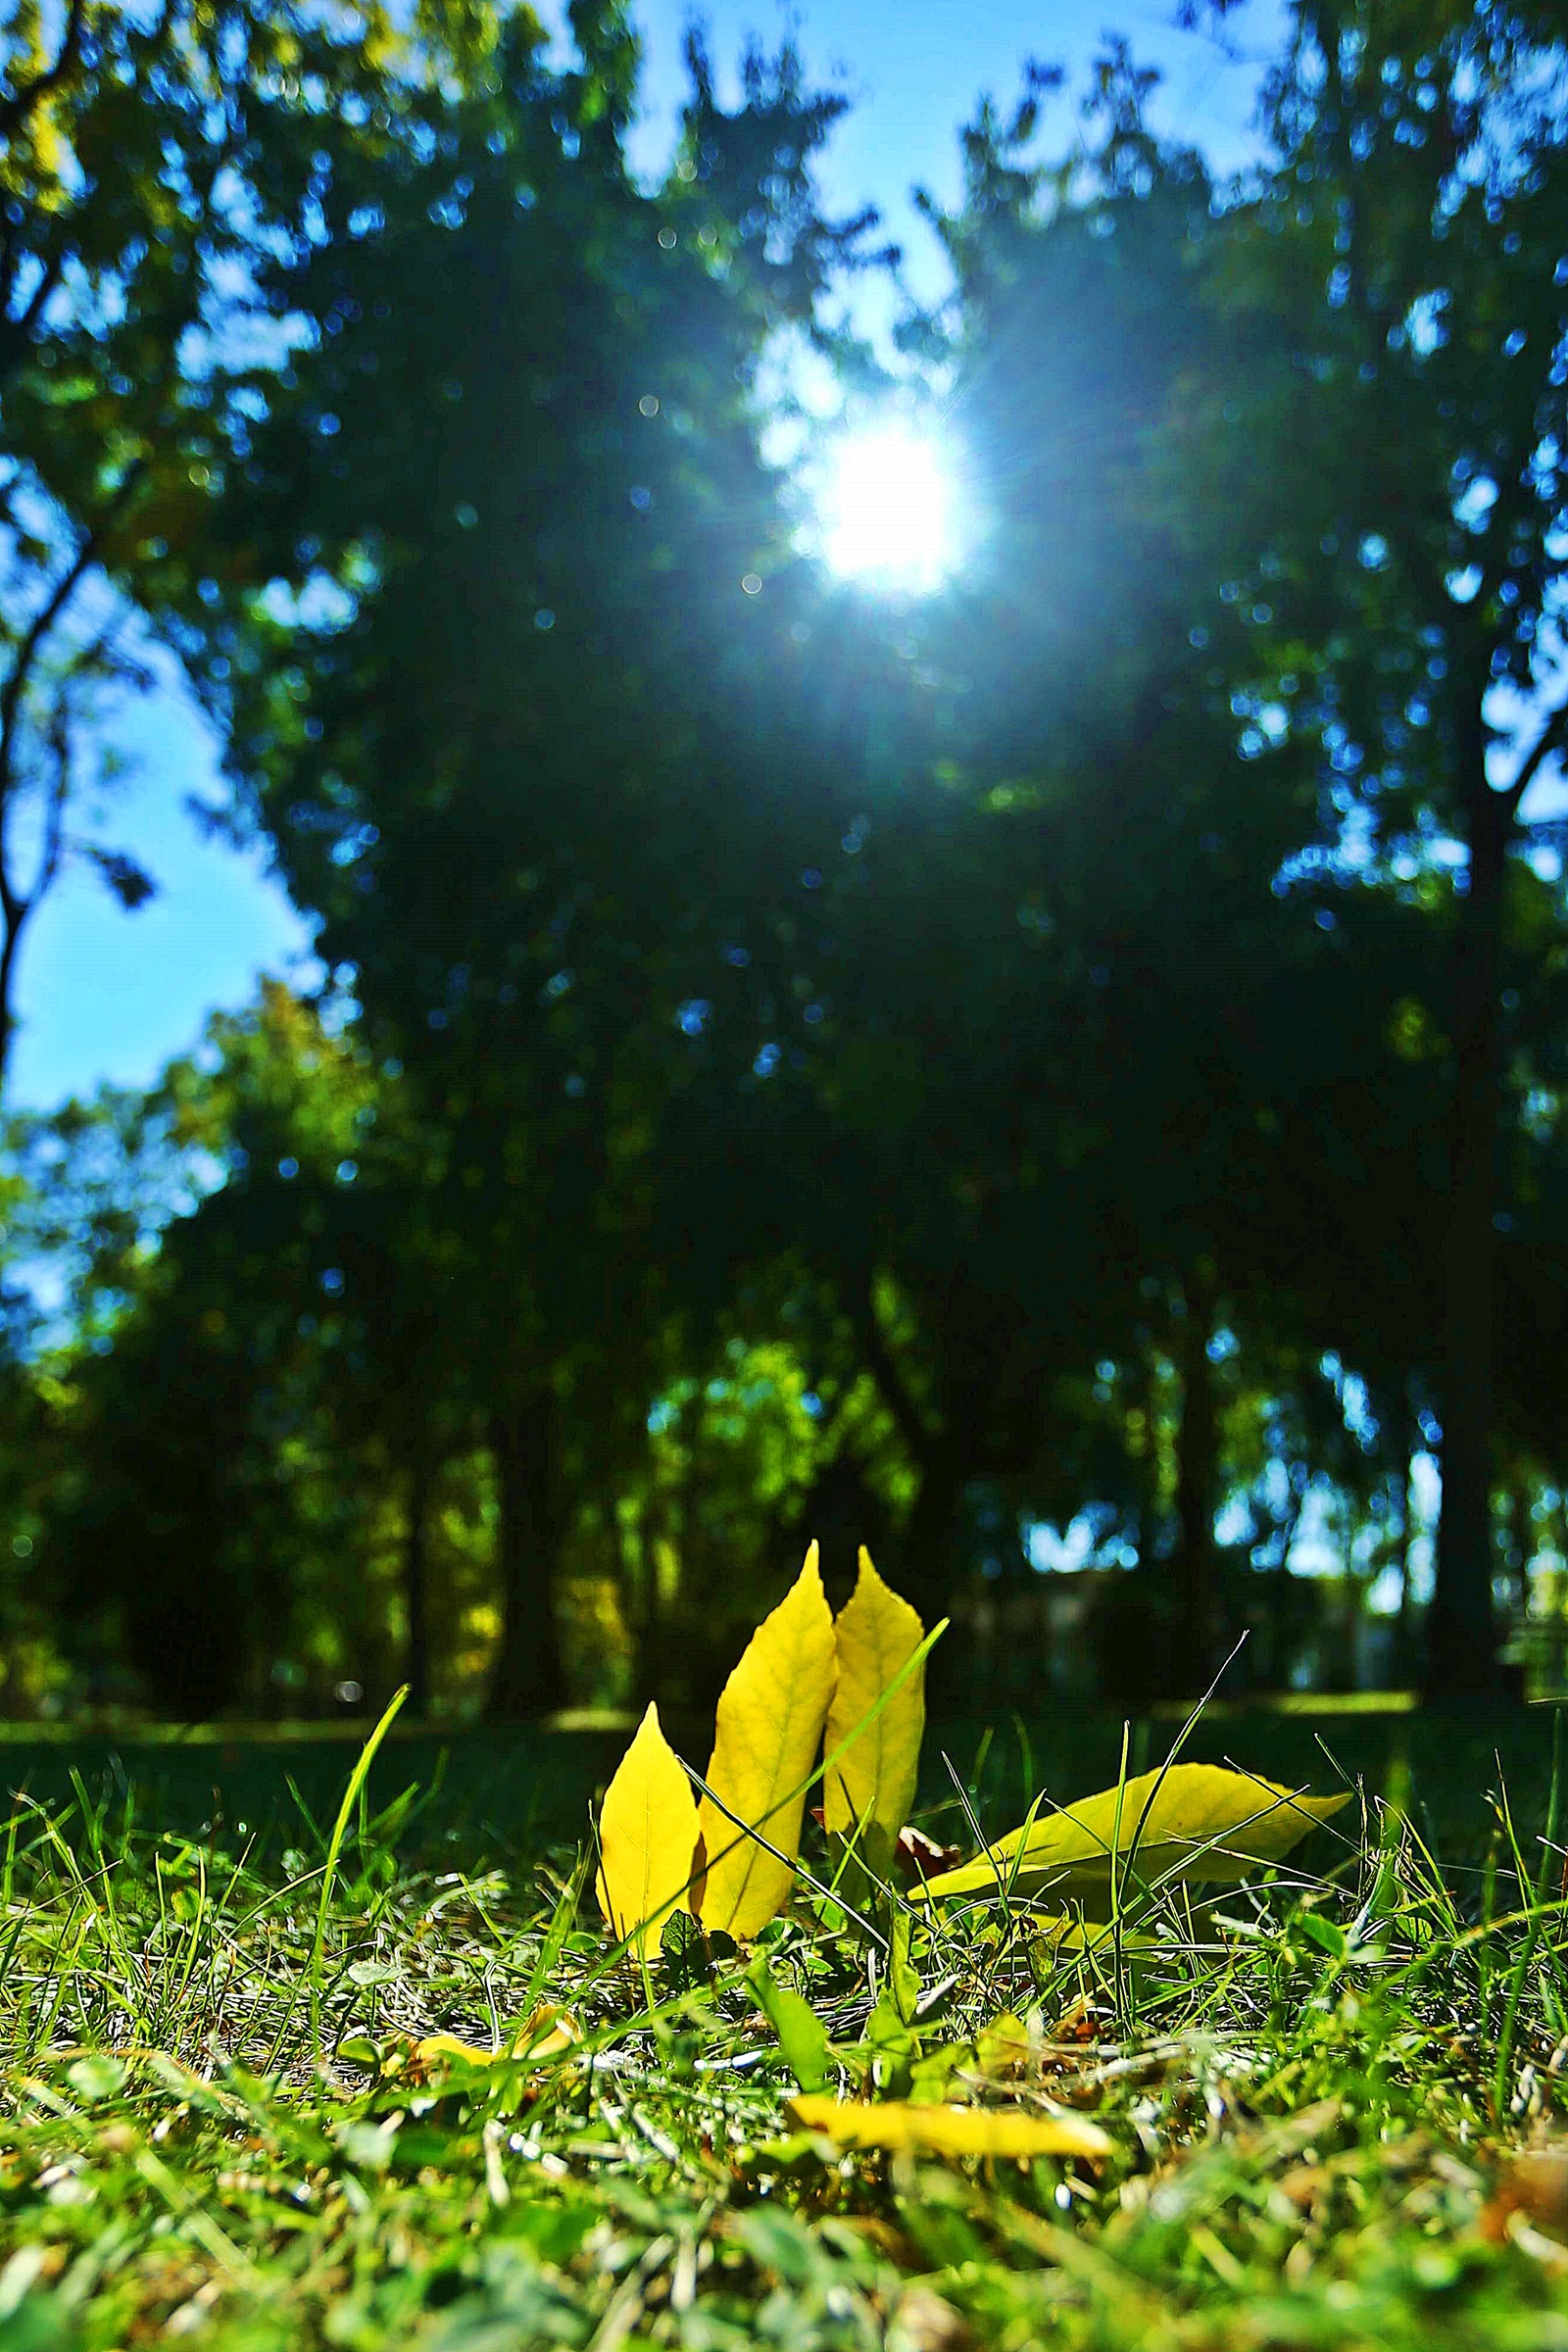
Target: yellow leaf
pixel 871 1786
pixel 646 1839
pixel 1197 1822
pixel 436 2046
pixel 546 2035
pixel 947 2130
pixel 770 1717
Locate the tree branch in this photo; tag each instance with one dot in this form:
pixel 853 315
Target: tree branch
pixel 1553 737
pixel 14 111
pixel 48 280
pixel 906 1414
pixel 44 619
pixel 54 826
pixel 28 650
pixel 14 907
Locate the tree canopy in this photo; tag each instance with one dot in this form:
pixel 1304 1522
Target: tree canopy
pixel 1073 1049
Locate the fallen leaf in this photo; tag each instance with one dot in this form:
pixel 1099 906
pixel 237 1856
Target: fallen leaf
pixel 547 2033
pixel 646 1839
pixel 1014 2046
pixel 1082 2023
pixel 919 1855
pixel 770 1717
pixel 915 1854
pixel 871 1788
pixel 1535 2183
pixel 947 2130
pixel 1303 2184
pixel 1197 1822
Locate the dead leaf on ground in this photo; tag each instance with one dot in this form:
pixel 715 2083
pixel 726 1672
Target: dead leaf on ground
pixel 1007 2046
pixel 1535 2184
pixel 916 1855
pixel 1197 1823
pixel 547 2033
pixel 921 1857
pixel 953 2131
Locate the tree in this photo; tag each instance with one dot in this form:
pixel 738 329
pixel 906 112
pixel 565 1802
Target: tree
pixel 1389 434
pixel 261 1409
pixel 152 158
pixel 503 702
pixel 1031 1097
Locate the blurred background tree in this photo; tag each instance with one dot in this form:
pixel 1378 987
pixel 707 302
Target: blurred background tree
pixel 1011 1072
pixel 152 162
pixel 1389 435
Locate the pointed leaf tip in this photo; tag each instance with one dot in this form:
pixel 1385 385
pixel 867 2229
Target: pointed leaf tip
pixel 646 1839
pixel 770 1717
pixel 871 1785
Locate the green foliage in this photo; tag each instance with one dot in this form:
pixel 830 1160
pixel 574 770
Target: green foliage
pixel 489 669
pixel 791 1062
pixel 227 1456
pixel 1392 313
pixel 152 162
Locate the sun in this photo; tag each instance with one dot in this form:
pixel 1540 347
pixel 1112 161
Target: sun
pixel 888 511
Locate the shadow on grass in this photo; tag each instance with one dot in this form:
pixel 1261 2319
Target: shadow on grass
pixel 512 1792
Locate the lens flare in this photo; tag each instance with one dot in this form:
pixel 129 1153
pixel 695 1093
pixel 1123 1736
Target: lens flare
pixel 887 510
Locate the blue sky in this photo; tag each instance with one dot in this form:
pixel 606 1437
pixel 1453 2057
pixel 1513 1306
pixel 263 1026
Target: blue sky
pixel 107 996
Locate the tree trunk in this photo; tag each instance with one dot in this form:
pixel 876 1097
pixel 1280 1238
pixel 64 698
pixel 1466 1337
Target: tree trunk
pixel 925 1554
pixel 10 942
pixel 644 1603
pixel 1195 1562
pixel 1268 1669
pixel 1461 1639
pixel 416 1585
pixel 1404 1643
pixel 529 1677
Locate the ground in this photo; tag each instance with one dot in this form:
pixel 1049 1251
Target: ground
pixel 1332 2101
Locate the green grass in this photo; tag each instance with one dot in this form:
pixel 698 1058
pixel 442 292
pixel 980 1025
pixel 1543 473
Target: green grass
pixel 508 1794
pixel 1321 2092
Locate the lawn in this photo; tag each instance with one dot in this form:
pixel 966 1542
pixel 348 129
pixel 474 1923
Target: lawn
pixel 508 1794
pixel 236 2103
